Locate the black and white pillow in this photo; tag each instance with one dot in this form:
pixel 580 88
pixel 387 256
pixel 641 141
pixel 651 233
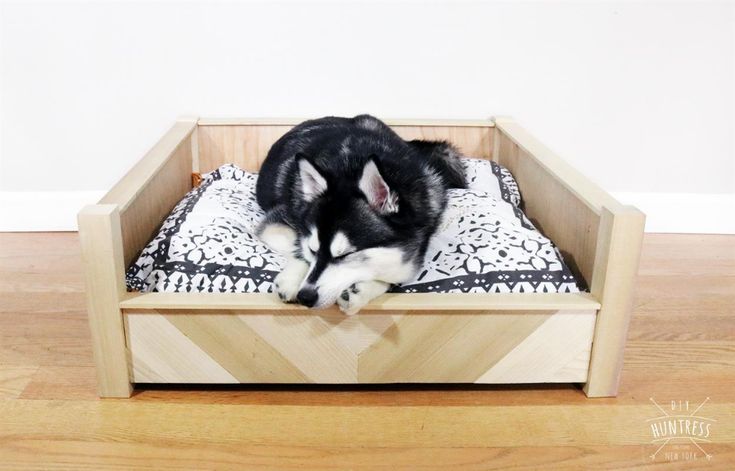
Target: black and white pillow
pixel 208 242
pixel 484 244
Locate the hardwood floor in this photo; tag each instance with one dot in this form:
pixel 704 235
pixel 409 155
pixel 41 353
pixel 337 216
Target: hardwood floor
pixel 681 347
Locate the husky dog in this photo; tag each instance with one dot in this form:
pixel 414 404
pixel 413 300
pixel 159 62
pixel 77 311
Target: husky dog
pixel 352 206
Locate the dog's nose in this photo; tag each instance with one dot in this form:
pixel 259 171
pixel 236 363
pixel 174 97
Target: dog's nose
pixel 307 297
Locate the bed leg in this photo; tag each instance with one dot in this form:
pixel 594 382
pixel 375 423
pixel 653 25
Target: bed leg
pixel 613 281
pixel 104 271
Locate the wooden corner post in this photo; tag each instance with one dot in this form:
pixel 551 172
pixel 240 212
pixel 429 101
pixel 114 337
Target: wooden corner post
pixel 104 271
pixel 619 241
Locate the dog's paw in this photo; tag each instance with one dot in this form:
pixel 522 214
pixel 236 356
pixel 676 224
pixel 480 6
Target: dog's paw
pixel 288 282
pixel 349 301
pixel 359 294
pixel 285 288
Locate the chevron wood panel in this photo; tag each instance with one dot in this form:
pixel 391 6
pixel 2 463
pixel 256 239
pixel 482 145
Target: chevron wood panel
pixel 186 346
pixel 564 334
pixel 163 352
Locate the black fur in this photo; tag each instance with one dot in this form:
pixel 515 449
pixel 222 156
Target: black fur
pixel 420 172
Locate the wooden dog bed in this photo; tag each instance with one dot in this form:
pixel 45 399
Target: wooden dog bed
pixel 398 338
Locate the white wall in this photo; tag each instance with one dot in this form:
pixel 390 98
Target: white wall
pixel 639 96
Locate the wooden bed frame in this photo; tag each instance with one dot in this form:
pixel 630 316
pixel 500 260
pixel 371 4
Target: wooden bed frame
pixel 398 338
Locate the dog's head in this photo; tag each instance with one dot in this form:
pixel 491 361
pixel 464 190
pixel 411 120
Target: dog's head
pixel 347 235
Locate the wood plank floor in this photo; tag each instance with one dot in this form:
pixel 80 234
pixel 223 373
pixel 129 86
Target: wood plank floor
pixel 681 347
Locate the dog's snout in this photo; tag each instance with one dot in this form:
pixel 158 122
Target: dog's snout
pixel 307 297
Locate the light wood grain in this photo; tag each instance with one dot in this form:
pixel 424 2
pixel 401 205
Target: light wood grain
pixel 114 232
pixel 73 382
pixel 469 347
pixel 681 346
pixel 104 270
pixel 14 379
pixel 472 141
pixel 551 198
pixel 246 143
pixel 564 204
pixel 386 302
pixel 616 266
pixel 195 152
pixel 209 121
pixel 557 351
pixel 150 190
pixel 24 454
pixel 317 346
pixel 380 426
pixel 138 178
pixel 599 238
pixel 555 167
pixel 160 351
pixel 188 346
pixel 28 349
pixel 244 146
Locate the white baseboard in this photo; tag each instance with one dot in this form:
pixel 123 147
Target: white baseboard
pixel 665 212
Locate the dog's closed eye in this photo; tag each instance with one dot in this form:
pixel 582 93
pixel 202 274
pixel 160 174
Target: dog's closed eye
pixel 343 256
pixel 340 245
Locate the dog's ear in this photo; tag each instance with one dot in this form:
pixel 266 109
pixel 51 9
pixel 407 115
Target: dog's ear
pixel 376 190
pixel 313 183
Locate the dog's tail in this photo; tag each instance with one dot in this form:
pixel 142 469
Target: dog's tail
pixel 445 158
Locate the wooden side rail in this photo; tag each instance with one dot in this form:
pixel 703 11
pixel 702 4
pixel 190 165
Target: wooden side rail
pixel 150 190
pixel 113 232
pixel 387 302
pixel 599 238
pixel 245 142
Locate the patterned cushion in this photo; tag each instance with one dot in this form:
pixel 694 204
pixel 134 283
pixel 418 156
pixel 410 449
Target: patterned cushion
pixel 484 244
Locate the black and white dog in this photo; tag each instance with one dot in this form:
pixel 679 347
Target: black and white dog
pixel 352 206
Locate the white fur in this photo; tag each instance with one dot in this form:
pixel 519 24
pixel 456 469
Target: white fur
pixel 306 251
pixel 376 264
pixel 313 242
pixel 279 238
pixel 289 281
pixel 358 296
pixel 340 245
pixel 312 182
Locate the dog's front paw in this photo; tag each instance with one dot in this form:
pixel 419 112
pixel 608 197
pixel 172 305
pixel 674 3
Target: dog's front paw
pixel 288 282
pixel 350 300
pixel 285 288
pixel 359 294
